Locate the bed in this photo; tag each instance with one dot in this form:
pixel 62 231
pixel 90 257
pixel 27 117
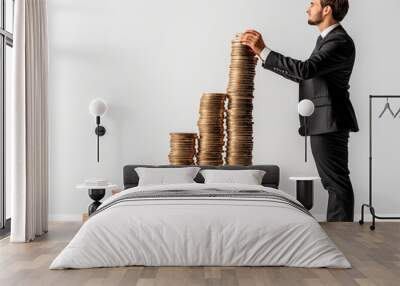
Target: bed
pixel 201 224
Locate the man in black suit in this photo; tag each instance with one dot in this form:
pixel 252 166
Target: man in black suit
pixel 323 79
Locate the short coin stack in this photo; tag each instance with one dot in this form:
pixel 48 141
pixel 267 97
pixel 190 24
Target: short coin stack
pixel 183 148
pixel 240 105
pixel 211 129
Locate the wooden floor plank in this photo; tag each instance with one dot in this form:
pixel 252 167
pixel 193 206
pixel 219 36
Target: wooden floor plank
pixel 374 255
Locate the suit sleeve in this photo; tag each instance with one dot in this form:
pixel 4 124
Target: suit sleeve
pixel 331 56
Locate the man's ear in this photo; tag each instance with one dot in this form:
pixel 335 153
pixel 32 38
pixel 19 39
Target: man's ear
pixel 327 10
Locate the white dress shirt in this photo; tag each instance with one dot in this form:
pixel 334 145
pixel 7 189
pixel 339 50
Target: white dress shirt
pixel 265 52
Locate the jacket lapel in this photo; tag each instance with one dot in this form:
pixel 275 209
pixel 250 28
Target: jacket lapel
pixel 337 29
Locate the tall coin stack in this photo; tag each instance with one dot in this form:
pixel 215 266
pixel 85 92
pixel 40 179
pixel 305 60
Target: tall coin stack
pixel 211 129
pixel 183 148
pixel 240 89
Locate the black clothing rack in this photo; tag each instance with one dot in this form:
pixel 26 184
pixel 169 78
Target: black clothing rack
pixel 369 205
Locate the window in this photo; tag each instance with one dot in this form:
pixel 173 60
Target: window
pixel 6 44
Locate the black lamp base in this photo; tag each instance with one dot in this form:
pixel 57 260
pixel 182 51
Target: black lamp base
pixel 96 195
pixel 305 193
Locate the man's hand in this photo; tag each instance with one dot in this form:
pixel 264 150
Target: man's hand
pixel 254 40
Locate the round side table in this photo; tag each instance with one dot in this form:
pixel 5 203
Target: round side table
pixel 96 193
pixel 305 190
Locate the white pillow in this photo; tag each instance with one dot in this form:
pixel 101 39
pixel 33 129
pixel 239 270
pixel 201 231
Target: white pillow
pixel 165 176
pixel 248 177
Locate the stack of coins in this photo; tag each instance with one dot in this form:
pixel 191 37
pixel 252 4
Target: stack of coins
pixel 211 129
pixel 240 89
pixel 183 148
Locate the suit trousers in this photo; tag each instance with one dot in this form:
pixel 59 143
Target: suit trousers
pixel 330 152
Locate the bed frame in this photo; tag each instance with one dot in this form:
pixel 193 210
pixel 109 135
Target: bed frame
pixel 270 179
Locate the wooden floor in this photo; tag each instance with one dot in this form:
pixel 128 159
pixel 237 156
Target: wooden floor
pixel 375 257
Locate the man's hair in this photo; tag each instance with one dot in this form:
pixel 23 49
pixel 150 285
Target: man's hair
pixel 339 8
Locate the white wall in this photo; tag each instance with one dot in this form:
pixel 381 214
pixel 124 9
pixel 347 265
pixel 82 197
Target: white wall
pixel 151 61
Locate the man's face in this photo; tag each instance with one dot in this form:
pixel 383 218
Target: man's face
pixel 315 12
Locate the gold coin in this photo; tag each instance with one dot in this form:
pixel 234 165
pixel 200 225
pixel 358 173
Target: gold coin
pixel 239 107
pixel 243 106
pixel 238 137
pixel 176 135
pixel 182 144
pixel 182 147
pixel 234 113
pixel 213 153
pixel 240 87
pixel 212 116
pixel 237 163
pixel 240 68
pixel 211 127
pixel 248 102
pixel 239 160
pixel 216 130
pixel 239 156
pixel 212 137
pixel 215 104
pixel 211 120
pixel 210 145
pixel 245 149
pixel 231 122
pixel 241 75
pixel 240 127
pixel 241 63
pixel 210 163
pixel 230 100
pixel 240 78
pixel 182 140
pixel 215 140
pixel 212 132
pixel 238 114
pixel 240 81
pixel 214 94
pixel 240 102
pixel 236 142
pixel 232 134
pixel 232 144
pixel 212 103
pixel 241 95
pixel 212 141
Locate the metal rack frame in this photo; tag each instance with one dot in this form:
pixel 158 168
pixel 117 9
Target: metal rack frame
pixel 369 205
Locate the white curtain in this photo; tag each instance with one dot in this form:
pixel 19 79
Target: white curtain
pixel 28 157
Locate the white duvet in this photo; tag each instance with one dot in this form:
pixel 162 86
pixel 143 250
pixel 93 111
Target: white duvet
pixel 218 232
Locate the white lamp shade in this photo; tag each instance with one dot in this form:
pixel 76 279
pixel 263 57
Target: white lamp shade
pixel 97 107
pixel 305 107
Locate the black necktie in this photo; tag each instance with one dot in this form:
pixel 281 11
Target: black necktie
pixel 318 44
pixel 319 41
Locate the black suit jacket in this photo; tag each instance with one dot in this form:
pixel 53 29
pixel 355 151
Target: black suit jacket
pixel 323 79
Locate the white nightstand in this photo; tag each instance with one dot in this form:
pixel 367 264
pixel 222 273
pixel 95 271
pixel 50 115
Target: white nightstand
pixel 305 190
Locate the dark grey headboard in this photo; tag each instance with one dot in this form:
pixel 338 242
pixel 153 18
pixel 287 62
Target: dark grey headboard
pixel 271 177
